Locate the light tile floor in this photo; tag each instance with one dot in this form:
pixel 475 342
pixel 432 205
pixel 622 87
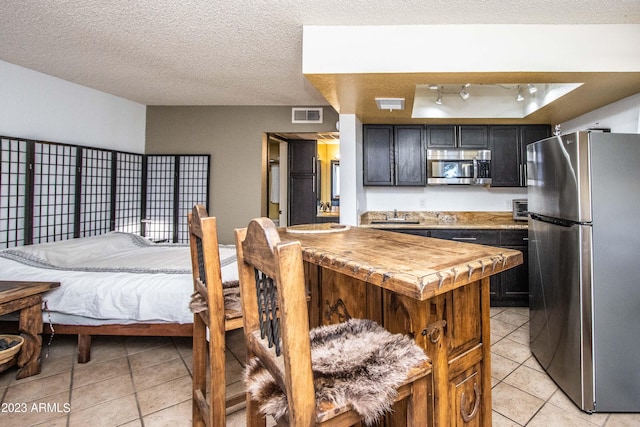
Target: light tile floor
pixel 146 382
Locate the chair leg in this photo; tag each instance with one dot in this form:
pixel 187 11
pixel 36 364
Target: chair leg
pixel 254 417
pixel 199 370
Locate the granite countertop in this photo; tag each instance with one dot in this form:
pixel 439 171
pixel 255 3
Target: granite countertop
pixel 430 219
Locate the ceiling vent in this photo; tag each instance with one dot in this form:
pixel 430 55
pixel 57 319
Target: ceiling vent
pixel 306 115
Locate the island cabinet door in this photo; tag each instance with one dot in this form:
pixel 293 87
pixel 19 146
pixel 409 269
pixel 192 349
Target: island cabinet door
pixel 451 328
pixel 465 398
pixel 335 298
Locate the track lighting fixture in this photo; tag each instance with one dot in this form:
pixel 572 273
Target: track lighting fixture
pixel 532 88
pixel 463 92
pixel 519 96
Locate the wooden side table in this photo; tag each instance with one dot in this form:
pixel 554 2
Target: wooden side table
pixel 26 297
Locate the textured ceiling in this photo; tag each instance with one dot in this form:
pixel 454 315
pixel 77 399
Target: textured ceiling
pixel 225 52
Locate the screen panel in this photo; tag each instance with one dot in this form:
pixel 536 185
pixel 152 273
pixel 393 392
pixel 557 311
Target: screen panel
pixel 54 191
pixel 160 198
pixel 13 188
pixel 128 209
pixel 192 188
pixel 95 200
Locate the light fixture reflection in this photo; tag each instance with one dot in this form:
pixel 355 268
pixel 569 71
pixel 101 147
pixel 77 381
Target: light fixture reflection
pixel 463 92
pixel 439 99
pixel 519 96
pixel 532 88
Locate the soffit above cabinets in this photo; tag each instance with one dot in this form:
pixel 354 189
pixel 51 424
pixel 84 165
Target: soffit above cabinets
pixel 400 61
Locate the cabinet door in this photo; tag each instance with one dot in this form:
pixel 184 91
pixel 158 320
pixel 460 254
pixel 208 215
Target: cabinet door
pixel 378 155
pixel 529 134
pixel 410 155
pixel 441 136
pixel 512 286
pixel 465 394
pixel 505 156
pixel 472 136
pixel 482 237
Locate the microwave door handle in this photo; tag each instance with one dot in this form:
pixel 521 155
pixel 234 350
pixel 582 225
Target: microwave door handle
pixel 475 171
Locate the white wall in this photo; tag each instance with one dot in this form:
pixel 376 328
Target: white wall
pixel 38 106
pixel 621 117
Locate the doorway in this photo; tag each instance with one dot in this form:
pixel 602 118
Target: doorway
pixel 300 177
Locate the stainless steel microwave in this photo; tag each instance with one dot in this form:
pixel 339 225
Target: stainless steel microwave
pixel 470 167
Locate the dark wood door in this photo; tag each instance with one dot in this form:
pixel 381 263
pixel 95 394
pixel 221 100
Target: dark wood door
pixel 529 134
pixel 441 136
pixel 378 155
pixel 302 157
pixel 303 196
pixel 505 156
pixel 511 287
pixel 453 136
pixel 410 155
pixel 473 136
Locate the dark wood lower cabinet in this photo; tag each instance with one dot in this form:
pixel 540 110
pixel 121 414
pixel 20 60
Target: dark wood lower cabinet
pixel 509 288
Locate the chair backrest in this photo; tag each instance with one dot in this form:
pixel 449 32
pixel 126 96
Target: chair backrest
pixel 205 262
pixel 208 401
pixel 274 306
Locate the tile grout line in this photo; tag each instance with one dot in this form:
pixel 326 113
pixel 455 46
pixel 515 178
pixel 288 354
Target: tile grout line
pixel 135 389
pixel 73 368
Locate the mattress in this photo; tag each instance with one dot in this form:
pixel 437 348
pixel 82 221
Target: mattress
pixel 112 278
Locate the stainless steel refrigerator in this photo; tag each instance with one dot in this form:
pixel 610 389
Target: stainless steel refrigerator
pixel 584 264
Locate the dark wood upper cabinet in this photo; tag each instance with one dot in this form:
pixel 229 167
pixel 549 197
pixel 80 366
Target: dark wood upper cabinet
pixel 394 155
pixel 378 155
pixel 410 155
pixel 457 136
pixel 508 146
pixel 505 158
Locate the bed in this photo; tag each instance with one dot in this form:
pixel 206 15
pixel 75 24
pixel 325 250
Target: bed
pixel 113 284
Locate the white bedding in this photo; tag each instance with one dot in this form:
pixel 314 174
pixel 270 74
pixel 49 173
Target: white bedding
pixel 112 278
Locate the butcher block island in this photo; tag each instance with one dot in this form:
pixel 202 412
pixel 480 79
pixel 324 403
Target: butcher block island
pixel 435 290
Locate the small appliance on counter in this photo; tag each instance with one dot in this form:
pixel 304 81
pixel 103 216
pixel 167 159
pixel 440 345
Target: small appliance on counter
pixel 520 209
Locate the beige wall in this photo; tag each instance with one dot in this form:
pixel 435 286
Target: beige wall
pixel 233 136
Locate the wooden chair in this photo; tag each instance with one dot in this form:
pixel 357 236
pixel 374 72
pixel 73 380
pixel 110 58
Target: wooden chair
pixel 209 399
pixel 280 344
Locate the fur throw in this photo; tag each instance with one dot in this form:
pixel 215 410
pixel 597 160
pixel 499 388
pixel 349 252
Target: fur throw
pixel 356 362
pixel 231 291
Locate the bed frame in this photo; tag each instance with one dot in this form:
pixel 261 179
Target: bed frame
pixel 85 333
pixel 137 330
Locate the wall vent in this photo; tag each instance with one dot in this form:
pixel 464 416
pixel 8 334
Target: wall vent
pixel 306 115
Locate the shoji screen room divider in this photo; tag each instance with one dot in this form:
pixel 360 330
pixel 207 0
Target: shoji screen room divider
pixel 51 191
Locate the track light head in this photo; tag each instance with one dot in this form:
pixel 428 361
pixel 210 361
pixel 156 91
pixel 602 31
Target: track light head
pixel 532 88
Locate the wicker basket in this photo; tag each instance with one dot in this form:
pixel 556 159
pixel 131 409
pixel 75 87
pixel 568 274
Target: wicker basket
pixel 7 355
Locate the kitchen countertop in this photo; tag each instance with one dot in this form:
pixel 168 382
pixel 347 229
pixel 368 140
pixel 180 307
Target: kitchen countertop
pixel 408 265
pixel 328 214
pixel 490 220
